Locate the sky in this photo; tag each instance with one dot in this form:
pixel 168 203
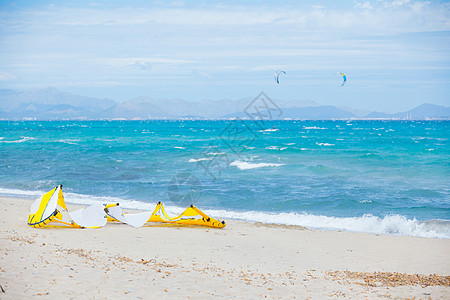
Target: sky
pixel 395 53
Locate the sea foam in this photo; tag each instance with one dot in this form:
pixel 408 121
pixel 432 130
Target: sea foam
pixel 388 225
pixel 242 165
pixel 23 139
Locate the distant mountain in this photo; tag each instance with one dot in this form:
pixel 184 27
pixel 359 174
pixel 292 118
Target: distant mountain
pixel 420 112
pixel 148 108
pixel 426 110
pixel 378 115
pixel 139 108
pixel 322 112
pixel 52 104
pixel 317 113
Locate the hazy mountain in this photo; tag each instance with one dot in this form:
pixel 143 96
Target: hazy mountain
pixel 138 108
pixel 312 112
pixel 146 107
pixel 420 112
pixel 378 115
pixel 317 113
pixel 52 104
pixel 426 110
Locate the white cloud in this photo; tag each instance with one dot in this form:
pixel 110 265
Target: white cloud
pixel 143 65
pixel 396 3
pixel 161 44
pixel 5 76
pixel 142 62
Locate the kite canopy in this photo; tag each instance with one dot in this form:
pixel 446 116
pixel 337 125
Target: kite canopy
pixel 191 216
pixel 51 211
pixel 276 75
pixel 343 77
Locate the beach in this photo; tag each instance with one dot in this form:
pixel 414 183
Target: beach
pixel 241 261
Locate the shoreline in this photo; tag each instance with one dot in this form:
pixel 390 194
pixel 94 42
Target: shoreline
pixel 389 225
pixel 242 260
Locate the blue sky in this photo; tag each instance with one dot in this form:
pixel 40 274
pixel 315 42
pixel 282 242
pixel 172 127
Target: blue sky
pixel 396 54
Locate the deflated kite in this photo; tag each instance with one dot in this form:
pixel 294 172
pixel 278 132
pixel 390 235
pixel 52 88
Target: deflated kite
pixel 50 210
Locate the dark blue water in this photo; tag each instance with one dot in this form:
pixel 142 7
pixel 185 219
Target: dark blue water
pixel 373 176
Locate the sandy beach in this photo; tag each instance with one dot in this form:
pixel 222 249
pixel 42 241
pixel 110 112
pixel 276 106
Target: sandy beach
pixel 242 261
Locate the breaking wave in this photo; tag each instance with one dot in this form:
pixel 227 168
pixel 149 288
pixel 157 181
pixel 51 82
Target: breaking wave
pixel 242 165
pixel 388 225
pixel 22 140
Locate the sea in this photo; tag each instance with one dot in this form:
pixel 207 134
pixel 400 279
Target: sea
pixel 379 177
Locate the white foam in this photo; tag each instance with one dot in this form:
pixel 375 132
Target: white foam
pixel 200 159
pixel 276 148
pixel 68 141
pixel 269 130
pixel 388 225
pixel 217 153
pixel 23 139
pixel 177 147
pixel 15 192
pixel 314 127
pixel 242 165
pixel 324 144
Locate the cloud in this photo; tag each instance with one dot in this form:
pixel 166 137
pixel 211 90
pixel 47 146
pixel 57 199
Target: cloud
pixel 5 76
pixel 143 65
pixel 377 14
pixel 153 45
pixel 396 3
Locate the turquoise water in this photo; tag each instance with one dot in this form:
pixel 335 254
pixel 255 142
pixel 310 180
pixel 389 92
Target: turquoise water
pixel 388 177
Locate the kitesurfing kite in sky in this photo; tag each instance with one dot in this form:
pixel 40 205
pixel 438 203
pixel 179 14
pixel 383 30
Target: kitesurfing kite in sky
pixel 276 75
pixel 343 77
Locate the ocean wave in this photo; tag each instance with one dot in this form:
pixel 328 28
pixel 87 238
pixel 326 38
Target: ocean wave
pixel 199 159
pixel 19 193
pixel 178 147
pixel 242 165
pixel 68 141
pixel 388 225
pixel 268 130
pixel 365 201
pixel 23 139
pixel 324 144
pixel 276 148
pixel 314 127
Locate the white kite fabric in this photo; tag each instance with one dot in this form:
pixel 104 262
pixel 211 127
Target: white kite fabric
pixel 50 210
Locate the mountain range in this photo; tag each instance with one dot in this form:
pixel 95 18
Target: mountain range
pixel 52 104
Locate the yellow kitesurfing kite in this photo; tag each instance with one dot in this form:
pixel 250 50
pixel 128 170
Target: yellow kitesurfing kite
pixel 191 216
pixel 50 210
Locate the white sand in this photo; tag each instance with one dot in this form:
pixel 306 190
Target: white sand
pixel 243 261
